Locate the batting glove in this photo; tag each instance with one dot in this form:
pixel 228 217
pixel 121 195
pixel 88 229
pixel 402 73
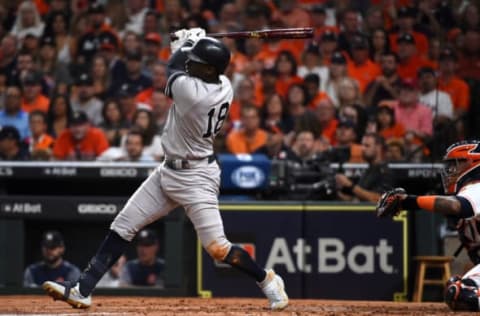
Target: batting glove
pixel 180 39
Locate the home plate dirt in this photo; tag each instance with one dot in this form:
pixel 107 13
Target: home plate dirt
pixel 112 306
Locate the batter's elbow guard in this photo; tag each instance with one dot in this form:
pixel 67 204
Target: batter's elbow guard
pixel 462 294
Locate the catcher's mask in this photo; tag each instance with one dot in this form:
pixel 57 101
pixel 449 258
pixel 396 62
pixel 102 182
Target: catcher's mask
pixel 461 164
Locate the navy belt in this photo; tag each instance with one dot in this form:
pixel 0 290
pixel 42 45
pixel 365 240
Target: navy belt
pixel 179 164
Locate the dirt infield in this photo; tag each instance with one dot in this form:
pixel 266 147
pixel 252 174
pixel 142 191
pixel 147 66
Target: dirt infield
pixel 111 306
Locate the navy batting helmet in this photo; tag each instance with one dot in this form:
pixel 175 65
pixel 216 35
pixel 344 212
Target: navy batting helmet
pixel 211 51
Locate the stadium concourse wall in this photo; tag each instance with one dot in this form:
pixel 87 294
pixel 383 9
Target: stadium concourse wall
pixel 341 246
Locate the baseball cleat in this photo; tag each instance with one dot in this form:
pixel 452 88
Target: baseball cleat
pixel 71 295
pixel 274 289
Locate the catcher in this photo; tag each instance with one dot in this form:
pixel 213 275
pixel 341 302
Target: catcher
pixel 461 181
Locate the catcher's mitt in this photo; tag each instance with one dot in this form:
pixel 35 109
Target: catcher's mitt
pixel 389 203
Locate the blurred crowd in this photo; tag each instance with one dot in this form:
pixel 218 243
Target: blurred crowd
pixel 84 80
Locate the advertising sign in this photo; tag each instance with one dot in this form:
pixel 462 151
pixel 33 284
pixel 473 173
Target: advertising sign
pixel 327 251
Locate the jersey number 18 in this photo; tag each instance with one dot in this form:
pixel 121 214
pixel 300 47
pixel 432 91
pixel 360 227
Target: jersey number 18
pixel 221 116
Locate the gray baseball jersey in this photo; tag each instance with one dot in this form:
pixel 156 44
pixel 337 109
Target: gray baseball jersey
pixel 197 114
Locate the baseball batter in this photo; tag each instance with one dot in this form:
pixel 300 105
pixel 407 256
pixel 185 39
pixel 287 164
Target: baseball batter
pixel 461 179
pixel 189 176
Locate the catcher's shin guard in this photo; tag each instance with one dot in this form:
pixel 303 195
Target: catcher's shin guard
pixel 462 294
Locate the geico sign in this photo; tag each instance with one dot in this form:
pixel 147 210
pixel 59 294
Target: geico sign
pixel 118 172
pixel 333 257
pixel 97 209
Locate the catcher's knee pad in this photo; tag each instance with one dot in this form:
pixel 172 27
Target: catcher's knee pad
pixel 462 294
pixel 219 248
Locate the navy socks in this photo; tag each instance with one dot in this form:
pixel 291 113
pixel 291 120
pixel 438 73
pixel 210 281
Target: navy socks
pixel 241 260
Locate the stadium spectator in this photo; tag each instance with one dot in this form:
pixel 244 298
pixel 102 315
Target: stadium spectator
pixel 12 114
pixel 346 136
pixel 275 117
pixel 136 12
pixel 85 100
pixel 250 136
pixel 297 100
pixel 380 45
pixel 405 23
pixel 361 68
pixel 337 70
pixel 147 269
pixel 312 64
pixel 160 106
pixel 33 99
pixel 374 20
pixel 348 92
pixel 52 267
pixel 152 142
pixel 303 146
pixel 151 23
pixel 40 144
pixel 55 73
pixel 98 31
pixel 244 96
pixel 408 58
pixel 100 77
pixel 153 52
pixel 395 151
pixel 350 26
pixel 328 46
pixel 159 81
pixel 111 279
pixel 318 21
pixel 114 124
pixel 24 65
pixel 326 115
pixel 134 78
pixel 11 146
pixel 80 141
pixel 132 151
pixel 314 94
pixel 385 86
pixel 386 124
pixel 57 27
pixel 59 114
pixel 28 21
pixel 438 101
pixel 8 51
pixel 449 82
pixel 358 115
pixel 376 179
pixel 286 69
pixel 469 57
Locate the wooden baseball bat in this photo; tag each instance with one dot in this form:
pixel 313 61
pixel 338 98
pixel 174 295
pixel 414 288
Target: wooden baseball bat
pixel 285 33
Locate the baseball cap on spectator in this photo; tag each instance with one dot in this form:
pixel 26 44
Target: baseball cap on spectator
pixel 47 40
pixel 79 118
pixel 96 7
pixel 134 56
pixel 328 36
pixel 153 37
pixel 425 70
pixel 408 83
pixel 346 123
pixel 52 239
pixel 338 58
pixel 406 38
pixel 9 132
pixel 406 12
pixel 146 237
pixel 32 78
pixel 318 9
pixel 448 54
pixel 126 91
pixel 359 42
pixel 84 79
pixel 108 42
pixel 312 48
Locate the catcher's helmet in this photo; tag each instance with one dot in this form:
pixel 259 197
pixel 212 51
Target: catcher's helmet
pixel 462 162
pixel 211 51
